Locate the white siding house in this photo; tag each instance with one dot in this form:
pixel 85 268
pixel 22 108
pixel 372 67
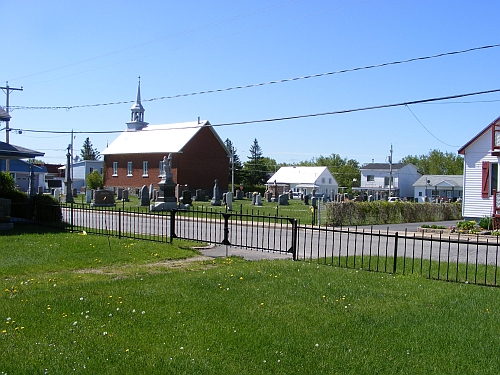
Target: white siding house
pixel 438 188
pixel 304 180
pixel 375 180
pixel 481 172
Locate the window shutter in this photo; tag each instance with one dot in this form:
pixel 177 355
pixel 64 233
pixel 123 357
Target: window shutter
pixel 485 184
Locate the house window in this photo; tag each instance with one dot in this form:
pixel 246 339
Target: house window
pixel 330 181
pixel 489 178
pixel 494 177
pixel 370 177
pixel 115 168
pixel 129 168
pixel 91 170
pixel 323 180
pixel 160 171
pixel 144 169
pixel 386 180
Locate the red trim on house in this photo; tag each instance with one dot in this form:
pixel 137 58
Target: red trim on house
pixel 461 151
pixel 485 179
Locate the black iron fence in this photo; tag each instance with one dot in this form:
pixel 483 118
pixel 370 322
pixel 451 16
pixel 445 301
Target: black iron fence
pixel 452 257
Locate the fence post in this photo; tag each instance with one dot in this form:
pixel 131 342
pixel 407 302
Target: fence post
pixel 225 241
pixel 172 225
pixel 396 237
pixel 71 217
pixel 293 248
pixel 119 223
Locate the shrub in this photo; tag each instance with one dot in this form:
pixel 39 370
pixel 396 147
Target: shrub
pixel 486 223
pixel 94 180
pixel 47 209
pixel 7 184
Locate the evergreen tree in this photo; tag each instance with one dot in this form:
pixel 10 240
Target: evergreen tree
pixel 255 169
pixel 88 152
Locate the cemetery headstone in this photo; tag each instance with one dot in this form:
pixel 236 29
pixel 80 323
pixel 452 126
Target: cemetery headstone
pixel 258 200
pixel 283 200
pixel 216 195
pixel 125 196
pixel 186 197
pixel 103 198
pixel 166 200
pixel 144 196
pixel 306 200
pixel 57 193
pixel 88 196
pixel 120 194
pixel 229 201
pixel 151 189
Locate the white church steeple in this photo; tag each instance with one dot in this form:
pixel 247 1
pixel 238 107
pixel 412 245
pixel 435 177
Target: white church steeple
pixel 137 113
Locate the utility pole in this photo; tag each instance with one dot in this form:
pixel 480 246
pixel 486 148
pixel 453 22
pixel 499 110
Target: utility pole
pixel 390 173
pixel 7 90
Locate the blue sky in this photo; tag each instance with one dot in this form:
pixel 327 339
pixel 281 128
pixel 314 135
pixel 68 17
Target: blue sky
pixel 67 53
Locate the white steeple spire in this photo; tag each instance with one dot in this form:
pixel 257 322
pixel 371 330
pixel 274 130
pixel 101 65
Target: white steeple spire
pixel 137 112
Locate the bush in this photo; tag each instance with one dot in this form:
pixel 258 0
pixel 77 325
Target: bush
pixel 486 223
pixel 381 212
pixel 7 184
pixel 47 209
pixel 94 180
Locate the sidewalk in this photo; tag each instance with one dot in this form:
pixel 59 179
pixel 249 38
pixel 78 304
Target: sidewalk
pixel 222 251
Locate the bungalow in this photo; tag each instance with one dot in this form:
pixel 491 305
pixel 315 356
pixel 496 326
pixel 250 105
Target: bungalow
pixel 481 156
pixel 135 158
pixel 438 188
pixel 305 180
pixel 381 180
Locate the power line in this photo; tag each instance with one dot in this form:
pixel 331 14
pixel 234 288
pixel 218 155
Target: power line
pixel 269 82
pixel 421 101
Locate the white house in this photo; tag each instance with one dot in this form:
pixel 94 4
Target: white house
pixel 81 169
pixel 381 180
pixel 304 180
pixel 438 187
pixel 481 155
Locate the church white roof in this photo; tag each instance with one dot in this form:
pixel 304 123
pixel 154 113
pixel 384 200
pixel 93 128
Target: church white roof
pixel 166 138
pixel 300 175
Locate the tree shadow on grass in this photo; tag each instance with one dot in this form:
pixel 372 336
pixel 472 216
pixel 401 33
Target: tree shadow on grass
pixel 29 228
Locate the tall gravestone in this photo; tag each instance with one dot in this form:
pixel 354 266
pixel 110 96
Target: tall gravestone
pixel 166 200
pixel 144 196
pixel 216 195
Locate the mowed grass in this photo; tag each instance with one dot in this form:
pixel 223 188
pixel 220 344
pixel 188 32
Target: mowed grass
pixel 139 309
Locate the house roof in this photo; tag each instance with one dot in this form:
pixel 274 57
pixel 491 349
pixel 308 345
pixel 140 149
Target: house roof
pixel 4 115
pixel 440 180
pixel 383 166
pixel 300 175
pixel 18 165
pixel 166 138
pixel 10 151
pixel 461 151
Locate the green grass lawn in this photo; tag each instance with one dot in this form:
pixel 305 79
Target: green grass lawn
pixel 74 303
pixel 295 209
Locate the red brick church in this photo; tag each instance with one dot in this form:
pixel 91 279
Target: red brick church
pixel 135 158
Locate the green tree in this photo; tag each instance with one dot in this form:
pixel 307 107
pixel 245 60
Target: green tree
pixel 437 162
pixel 346 171
pixel 7 183
pixel 88 152
pixel 255 171
pixel 94 180
pixel 238 165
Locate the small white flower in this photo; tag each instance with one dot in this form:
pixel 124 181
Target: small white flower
pixel 133 310
pixel 75 323
pixel 81 298
pixel 316 345
pixel 104 333
pixel 144 312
